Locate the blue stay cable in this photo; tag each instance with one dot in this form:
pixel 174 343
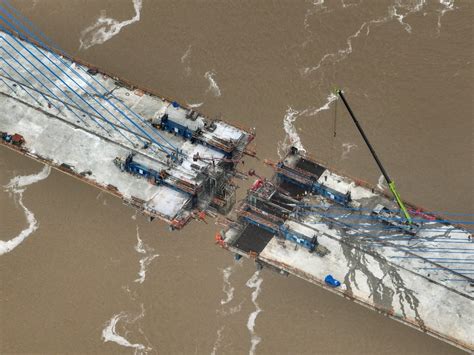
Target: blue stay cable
pixel 44 75
pixel 21 85
pixel 69 87
pixel 68 76
pixel 42 84
pixel 85 80
pixel 355 209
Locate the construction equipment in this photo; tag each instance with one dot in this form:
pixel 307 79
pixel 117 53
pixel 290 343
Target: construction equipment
pixel 155 177
pixel 14 139
pixel 390 183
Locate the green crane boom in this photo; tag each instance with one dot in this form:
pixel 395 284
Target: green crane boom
pixel 390 183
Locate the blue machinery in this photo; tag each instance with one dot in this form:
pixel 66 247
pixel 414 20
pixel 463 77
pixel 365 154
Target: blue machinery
pixel 108 113
pixel 35 65
pixel 179 129
pixel 309 243
pixel 155 177
pixel 174 127
pixel 12 19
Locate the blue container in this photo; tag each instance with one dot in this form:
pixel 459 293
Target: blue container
pixel 331 281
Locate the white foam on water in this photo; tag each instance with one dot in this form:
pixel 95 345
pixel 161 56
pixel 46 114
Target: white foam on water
pixel 227 287
pixel 381 184
pixel 185 60
pixel 346 5
pixel 346 149
pixel 254 282
pixel 199 104
pixel 231 310
pixel 101 196
pixel 292 138
pixel 343 53
pixel 213 87
pixel 235 309
pixel 105 28
pixel 109 333
pixel 317 6
pixel 218 341
pixel 447 5
pixel 146 260
pixel 400 18
pixel 406 8
pixel 25 180
pixel 17 186
pixel 314 111
pixel 398 11
pixel 186 54
pixel 228 290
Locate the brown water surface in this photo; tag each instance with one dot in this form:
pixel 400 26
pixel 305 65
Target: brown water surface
pixel 410 83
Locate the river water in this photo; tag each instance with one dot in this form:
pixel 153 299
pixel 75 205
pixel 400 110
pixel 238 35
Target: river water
pixel 88 275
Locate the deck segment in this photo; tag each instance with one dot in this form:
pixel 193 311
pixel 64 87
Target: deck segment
pixel 81 120
pixel 420 273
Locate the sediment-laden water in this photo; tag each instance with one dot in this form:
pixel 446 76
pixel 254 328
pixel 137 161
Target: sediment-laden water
pixel 80 272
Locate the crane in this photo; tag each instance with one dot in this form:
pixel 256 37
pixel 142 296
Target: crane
pixel 390 182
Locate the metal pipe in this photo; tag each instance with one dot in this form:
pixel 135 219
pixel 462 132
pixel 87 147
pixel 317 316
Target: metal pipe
pixel 377 160
pixel 390 183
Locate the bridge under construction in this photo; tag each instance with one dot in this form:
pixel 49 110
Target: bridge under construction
pixel 108 132
pixel 174 163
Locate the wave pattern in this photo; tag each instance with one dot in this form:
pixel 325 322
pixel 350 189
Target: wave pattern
pixel 185 58
pixel 399 10
pixel 127 319
pixel 254 282
pixel 227 286
pixel 213 87
pixel 110 334
pixel 147 258
pixel 105 28
pixel 346 149
pixel 17 186
pixel 292 138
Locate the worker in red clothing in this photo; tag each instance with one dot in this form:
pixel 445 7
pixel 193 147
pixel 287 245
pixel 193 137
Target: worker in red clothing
pixel 219 239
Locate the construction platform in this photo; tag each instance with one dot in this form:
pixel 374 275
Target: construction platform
pixel 171 162
pixel 166 160
pixel 349 238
